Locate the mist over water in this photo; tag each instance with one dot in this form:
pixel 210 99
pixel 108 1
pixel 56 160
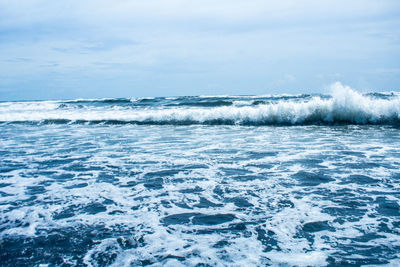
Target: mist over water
pixel 202 181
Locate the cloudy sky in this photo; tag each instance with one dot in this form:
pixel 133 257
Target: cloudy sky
pixel 130 48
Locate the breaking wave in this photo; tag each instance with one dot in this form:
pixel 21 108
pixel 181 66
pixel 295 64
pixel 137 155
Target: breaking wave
pixel 342 106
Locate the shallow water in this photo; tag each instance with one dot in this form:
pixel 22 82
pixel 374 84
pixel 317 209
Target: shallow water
pixel 201 181
pixel 132 195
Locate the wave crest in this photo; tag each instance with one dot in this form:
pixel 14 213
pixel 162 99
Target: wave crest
pixel 344 106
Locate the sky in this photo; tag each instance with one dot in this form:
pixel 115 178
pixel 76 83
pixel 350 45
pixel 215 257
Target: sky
pixel 128 48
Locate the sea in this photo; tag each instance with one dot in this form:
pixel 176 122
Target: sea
pixel 271 180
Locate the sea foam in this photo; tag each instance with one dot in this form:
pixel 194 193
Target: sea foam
pixel 343 106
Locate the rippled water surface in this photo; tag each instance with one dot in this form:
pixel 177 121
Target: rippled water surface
pixel 73 194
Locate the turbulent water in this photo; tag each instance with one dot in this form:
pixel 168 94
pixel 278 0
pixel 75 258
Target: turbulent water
pixel 201 181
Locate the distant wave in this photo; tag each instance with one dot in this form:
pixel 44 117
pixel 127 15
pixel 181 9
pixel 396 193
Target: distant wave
pixel 104 100
pixel 343 106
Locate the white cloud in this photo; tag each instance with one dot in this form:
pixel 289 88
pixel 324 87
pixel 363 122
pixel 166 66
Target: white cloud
pixel 103 12
pixel 259 40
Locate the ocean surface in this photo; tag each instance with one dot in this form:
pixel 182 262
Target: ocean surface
pixel 201 181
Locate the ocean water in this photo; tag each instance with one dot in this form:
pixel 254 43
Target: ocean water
pixel 201 181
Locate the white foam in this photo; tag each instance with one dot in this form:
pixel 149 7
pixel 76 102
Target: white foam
pixel 346 105
pixel 278 203
pixel 312 258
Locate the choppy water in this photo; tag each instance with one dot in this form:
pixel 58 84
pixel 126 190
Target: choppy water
pixel 291 180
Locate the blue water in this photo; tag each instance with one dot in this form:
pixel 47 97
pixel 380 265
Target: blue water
pixel 201 181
